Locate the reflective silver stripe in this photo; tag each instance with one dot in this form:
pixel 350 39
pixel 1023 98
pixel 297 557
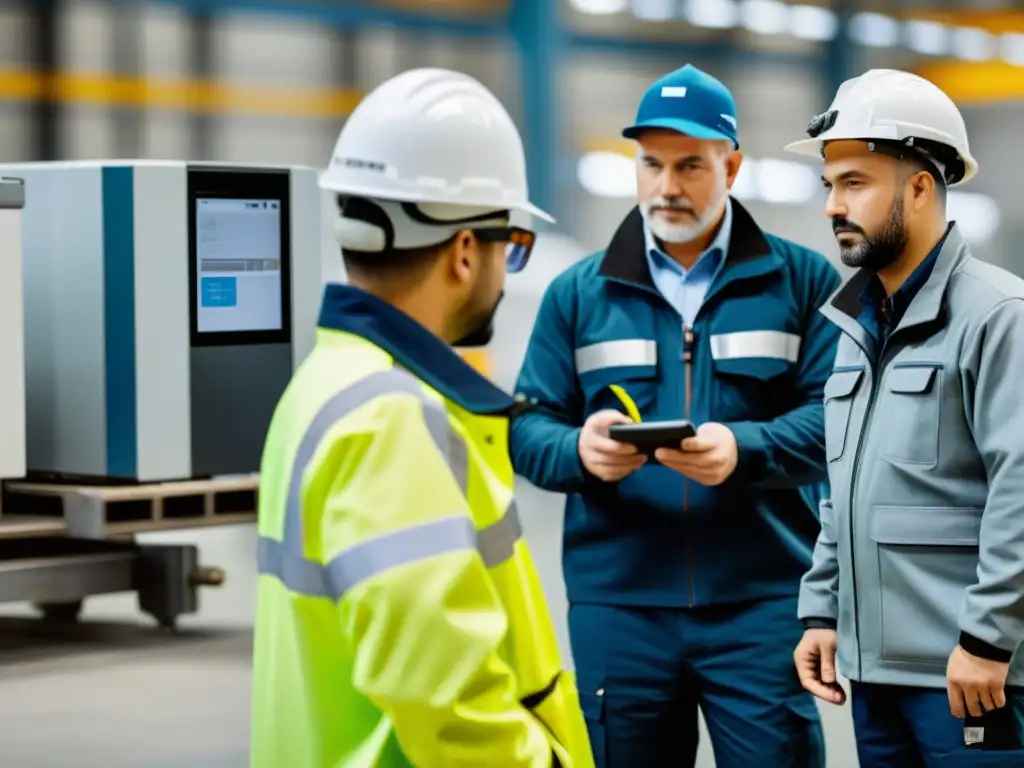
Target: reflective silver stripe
pixel 774 344
pixel 615 354
pixel 367 559
pixel 497 542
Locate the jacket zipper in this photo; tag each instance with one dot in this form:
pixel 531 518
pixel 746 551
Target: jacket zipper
pixel 687 388
pixel 876 376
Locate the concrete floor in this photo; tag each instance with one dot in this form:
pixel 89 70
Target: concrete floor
pixel 118 693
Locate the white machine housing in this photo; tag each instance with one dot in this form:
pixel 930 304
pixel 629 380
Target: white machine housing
pixel 12 329
pixel 167 305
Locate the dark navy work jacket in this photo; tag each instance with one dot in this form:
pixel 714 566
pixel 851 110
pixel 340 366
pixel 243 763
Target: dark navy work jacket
pixel 759 354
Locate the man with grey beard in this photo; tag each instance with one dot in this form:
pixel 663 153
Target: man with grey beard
pixel 917 587
pixel 682 567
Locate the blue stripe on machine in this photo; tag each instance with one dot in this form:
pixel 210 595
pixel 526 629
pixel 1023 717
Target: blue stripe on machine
pixel 119 319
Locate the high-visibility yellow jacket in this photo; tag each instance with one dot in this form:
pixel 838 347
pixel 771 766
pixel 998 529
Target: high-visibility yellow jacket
pixel 400 619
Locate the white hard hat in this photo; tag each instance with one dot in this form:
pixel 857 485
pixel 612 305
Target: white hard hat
pixel 432 137
pixel 895 107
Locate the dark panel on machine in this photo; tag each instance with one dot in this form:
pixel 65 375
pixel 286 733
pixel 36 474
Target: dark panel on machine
pixel 239 311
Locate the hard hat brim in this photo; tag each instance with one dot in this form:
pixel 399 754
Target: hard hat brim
pixel 685 127
pixel 806 147
pixel 812 148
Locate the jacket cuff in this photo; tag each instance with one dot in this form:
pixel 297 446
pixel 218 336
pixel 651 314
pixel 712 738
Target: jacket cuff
pixel 752 451
pixel 978 647
pixel 819 622
pixel 571 465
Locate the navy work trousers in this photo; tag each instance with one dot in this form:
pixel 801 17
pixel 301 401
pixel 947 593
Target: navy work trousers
pixel 902 727
pixel 643 672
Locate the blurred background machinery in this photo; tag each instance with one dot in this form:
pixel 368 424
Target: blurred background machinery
pixel 271 81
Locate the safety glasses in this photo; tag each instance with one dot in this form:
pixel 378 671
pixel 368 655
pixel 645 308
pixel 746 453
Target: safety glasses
pixel 518 244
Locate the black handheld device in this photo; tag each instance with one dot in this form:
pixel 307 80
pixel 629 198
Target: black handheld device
pixel 996 731
pixel 649 436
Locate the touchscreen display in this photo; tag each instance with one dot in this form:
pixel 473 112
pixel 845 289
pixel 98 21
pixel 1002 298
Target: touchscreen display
pixel 238 265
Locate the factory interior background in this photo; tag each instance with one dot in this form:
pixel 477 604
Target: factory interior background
pixel 271 81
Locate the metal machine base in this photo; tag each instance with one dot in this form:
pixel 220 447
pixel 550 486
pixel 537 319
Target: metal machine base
pixel 58 574
pixel 60 543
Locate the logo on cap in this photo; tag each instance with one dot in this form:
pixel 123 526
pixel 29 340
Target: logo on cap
pixel 673 91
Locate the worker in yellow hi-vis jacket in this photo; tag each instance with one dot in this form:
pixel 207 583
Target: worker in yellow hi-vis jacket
pixel 401 621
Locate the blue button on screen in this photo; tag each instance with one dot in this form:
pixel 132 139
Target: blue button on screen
pixel 219 291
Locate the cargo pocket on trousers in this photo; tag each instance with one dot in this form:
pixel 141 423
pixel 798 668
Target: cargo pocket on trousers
pixel 592 704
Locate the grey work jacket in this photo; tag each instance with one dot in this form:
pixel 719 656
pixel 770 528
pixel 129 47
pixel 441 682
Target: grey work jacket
pixel 923 537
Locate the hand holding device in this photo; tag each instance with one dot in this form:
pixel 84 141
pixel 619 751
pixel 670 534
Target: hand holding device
pixel 710 457
pixel 603 457
pixel 652 435
pixel 815 659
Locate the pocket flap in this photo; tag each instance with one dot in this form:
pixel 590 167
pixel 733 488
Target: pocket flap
pixel 842 383
pixel 762 368
pixel 912 379
pixel 937 526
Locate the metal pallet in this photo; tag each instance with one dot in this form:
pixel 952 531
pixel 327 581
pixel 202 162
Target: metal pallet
pixel 61 543
pixel 103 512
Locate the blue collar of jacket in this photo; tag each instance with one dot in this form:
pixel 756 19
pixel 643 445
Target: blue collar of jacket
pixel 927 305
pixel 352 310
pixel 710 259
pixel 748 253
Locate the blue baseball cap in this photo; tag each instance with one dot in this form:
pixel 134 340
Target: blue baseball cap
pixel 691 102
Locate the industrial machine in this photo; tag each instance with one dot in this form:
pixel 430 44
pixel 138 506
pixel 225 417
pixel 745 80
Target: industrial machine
pixel 166 306
pixel 151 314
pixel 12 358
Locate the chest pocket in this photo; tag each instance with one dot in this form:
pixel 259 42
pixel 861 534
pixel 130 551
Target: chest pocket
pixel 632 364
pixel 750 367
pixel 839 393
pixel 909 428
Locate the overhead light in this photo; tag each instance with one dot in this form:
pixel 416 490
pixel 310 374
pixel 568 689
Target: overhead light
pixel 655 10
pixel 976 215
pixel 972 44
pixel 874 30
pixel 744 187
pixel 600 7
pixel 1012 48
pixel 713 14
pixel 765 17
pixel 785 181
pixel 607 174
pixel 929 38
pixel 811 22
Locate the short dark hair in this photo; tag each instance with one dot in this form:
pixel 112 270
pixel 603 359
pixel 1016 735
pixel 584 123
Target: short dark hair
pixel 394 262
pixel 916 163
